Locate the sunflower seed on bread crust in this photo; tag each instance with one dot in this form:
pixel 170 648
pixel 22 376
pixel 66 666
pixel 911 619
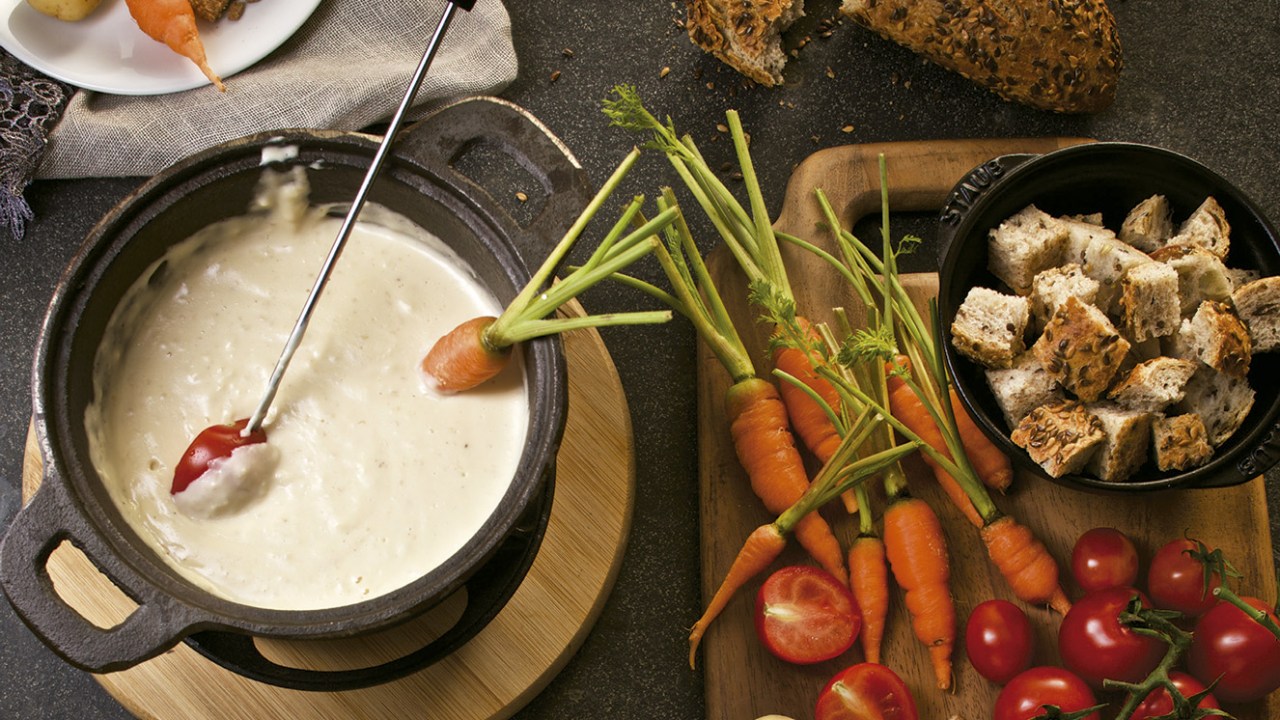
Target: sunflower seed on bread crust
pixel 1060 437
pixel 1063 56
pixel 744 34
pixel 1180 442
pixel 1081 349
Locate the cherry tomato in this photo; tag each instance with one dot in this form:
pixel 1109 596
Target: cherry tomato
pixel 1232 645
pixel 1095 645
pixel 213 443
pixel 1176 578
pixel 805 615
pixel 1104 558
pixel 997 639
pixel 1159 703
pixel 866 691
pixel 1030 690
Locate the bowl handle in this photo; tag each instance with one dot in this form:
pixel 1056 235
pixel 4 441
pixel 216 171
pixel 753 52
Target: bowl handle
pixel 36 531
pixel 965 194
pixel 441 139
pixel 1255 461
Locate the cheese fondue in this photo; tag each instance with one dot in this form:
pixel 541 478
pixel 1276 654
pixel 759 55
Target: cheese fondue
pixel 369 479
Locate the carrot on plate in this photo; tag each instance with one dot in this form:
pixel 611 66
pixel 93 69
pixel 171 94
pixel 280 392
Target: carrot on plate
pixel 173 23
pixel 479 348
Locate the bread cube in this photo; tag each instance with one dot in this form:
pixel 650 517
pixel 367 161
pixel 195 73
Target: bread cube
pixel 1220 339
pixel 1257 304
pixel 1081 233
pixel 1239 277
pixel 1052 287
pixel 1148 225
pixel 1180 442
pixel 989 327
pixel 1149 305
pixel 1124 449
pixel 1207 227
pixel 1222 402
pixel 1081 349
pixel 1201 275
pixel 1023 387
pixel 1023 245
pixel 1107 260
pixel 1153 385
pixel 1060 437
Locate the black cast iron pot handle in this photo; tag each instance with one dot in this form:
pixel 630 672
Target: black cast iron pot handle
pixel 446 136
pixel 37 531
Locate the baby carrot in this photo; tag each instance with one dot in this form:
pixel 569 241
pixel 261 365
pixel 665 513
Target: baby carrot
pixel 1025 563
pixel 479 348
pixel 811 422
pixel 869 581
pixel 917 552
pixel 173 23
pixel 761 548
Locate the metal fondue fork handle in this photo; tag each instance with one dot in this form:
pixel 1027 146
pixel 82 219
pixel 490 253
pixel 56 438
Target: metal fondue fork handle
pixel 300 327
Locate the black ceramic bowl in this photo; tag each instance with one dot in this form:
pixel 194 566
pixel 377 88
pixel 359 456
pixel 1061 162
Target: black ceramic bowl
pixel 1109 178
pixel 419 182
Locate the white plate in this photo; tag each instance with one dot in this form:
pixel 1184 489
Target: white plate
pixel 108 53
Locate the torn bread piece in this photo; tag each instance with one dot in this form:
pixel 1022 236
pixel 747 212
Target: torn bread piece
pixel 1149 305
pixel 989 327
pixel 1257 304
pixel 1207 227
pixel 745 35
pixel 1124 449
pixel 1180 442
pixel 1153 385
pixel 1060 438
pixel 1022 246
pixel 1149 225
pixel 1023 387
pixel 1220 401
pixel 1107 260
pixel 1220 339
pixel 1201 275
pixel 1081 349
pixel 1050 288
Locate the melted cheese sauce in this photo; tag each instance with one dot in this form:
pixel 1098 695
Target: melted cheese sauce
pixel 376 479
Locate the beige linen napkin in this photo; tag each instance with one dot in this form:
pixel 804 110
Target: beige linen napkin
pixel 345 69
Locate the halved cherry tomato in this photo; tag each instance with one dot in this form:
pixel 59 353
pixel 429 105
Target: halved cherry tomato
pixel 1231 645
pixel 1176 578
pixel 805 615
pixel 1159 703
pixel 997 639
pixel 1103 558
pixel 866 691
pixel 1095 645
pixel 1031 690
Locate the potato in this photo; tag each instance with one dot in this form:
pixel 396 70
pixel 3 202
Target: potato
pixel 69 10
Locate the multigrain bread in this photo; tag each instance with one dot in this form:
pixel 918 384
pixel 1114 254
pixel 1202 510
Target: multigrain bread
pixel 1060 437
pixel 1149 305
pixel 1023 387
pixel 1107 259
pixel 1201 274
pixel 1124 448
pixel 744 34
pixel 1222 402
pixel 1050 288
pixel 989 326
pixel 1063 56
pixel 1180 442
pixel 1220 340
pixel 1207 227
pixel 1149 224
pixel 1024 245
pixel 1257 304
pixel 1155 384
pixel 1081 349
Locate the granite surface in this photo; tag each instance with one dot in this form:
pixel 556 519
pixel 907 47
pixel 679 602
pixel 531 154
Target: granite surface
pixel 1200 78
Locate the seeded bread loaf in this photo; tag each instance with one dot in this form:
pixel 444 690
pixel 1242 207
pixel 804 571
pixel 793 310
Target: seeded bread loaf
pixel 1060 437
pixel 1081 349
pixel 744 34
pixel 1124 449
pixel 1180 442
pixel 1257 303
pixel 1062 56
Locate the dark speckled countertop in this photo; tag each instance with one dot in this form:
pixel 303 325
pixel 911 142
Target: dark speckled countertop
pixel 1199 78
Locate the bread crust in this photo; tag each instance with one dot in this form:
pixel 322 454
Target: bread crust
pixel 744 34
pixel 1059 55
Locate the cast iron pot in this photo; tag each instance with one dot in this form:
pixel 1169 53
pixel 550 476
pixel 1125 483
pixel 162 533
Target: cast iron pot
pixel 421 181
pixel 1110 178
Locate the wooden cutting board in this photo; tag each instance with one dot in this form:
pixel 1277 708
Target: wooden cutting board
pixel 493 675
pixel 743 680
